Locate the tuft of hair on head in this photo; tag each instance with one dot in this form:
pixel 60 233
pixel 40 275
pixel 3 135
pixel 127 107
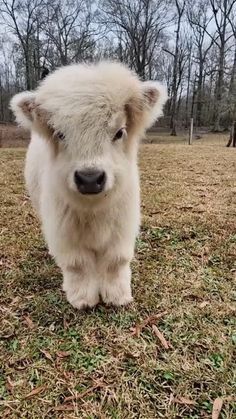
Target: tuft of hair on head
pixel 85 85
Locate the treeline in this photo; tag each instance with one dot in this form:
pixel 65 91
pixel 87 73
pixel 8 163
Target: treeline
pixel 188 44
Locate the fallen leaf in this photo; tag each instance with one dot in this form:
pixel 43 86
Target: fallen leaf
pixel 46 354
pixel 9 336
pixel 171 399
pixel 84 393
pixel 160 336
pixel 35 391
pixel 52 327
pixel 29 322
pixel 65 324
pixel 6 413
pixel 64 408
pixel 204 304
pixel 148 321
pixel 9 385
pixel 67 375
pixel 14 301
pixel 186 207
pixel 184 400
pixel 229 399
pixel 217 406
pixel 62 354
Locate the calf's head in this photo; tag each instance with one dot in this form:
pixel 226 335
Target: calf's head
pixel 92 117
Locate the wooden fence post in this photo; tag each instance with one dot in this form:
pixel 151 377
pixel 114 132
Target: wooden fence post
pixel 232 136
pixel 190 139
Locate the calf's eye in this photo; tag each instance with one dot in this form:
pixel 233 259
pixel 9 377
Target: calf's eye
pixel 60 135
pixel 120 134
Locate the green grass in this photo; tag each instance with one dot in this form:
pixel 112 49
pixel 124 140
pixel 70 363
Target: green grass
pixel 92 364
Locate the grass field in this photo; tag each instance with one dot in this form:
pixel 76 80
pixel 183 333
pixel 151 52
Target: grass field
pixel 171 354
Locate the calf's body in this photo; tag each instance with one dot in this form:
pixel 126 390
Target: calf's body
pixel 86 120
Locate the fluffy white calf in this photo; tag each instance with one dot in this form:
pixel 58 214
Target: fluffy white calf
pixel 81 172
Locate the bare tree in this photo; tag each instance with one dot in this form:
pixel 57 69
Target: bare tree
pixel 22 17
pixel 221 11
pixel 180 7
pixel 138 26
pixel 67 25
pixel 191 45
pixel 232 84
pixel 199 20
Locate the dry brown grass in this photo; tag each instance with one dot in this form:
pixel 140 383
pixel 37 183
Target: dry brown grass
pixel 58 363
pixel 13 136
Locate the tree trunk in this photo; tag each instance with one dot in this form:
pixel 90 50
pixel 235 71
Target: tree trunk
pixel 1 98
pixel 187 95
pixel 27 68
pixel 38 54
pixel 199 95
pixel 219 91
pixel 175 72
pixel 232 89
pixel 174 91
pixel 193 98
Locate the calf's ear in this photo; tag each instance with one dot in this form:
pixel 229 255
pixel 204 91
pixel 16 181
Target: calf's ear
pixel 23 105
pixel 27 111
pixel 154 99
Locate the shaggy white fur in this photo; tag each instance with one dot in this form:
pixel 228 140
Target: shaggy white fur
pixel 74 116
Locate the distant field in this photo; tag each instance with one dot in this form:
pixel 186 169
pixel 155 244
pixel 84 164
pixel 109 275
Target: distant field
pixel 56 362
pixel 12 136
pixel 182 138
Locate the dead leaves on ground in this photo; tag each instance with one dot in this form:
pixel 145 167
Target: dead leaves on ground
pixel 182 400
pixel 29 322
pixel 59 355
pixel 84 393
pixel 64 408
pixel 62 354
pixel 35 392
pixel 218 404
pixel 77 396
pixel 160 336
pixel 47 355
pixel 150 321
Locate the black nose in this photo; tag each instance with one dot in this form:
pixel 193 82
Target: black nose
pixel 90 181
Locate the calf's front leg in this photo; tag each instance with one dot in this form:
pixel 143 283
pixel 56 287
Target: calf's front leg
pixel 115 283
pixel 81 286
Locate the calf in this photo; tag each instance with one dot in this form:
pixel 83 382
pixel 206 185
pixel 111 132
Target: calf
pixel 81 172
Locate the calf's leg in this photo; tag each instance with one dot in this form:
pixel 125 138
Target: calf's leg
pixel 115 284
pixel 81 286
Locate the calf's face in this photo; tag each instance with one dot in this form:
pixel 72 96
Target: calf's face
pixel 91 117
pixel 94 154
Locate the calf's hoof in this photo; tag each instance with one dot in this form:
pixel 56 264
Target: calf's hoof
pixel 82 297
